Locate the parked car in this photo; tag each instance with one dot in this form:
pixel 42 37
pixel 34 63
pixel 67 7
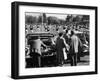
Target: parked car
pixel 84 37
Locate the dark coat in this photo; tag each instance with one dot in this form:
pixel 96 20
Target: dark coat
pixel 59 48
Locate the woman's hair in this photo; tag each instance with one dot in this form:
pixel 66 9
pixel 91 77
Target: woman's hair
pixel 60 34
pixel 66 31
pixel 72 32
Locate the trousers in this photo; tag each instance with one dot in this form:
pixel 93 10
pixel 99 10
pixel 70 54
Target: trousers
pixel 73 59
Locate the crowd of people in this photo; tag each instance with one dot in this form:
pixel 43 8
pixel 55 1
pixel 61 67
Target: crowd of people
pixel 65 41
pixel 54 29
pixel 68 44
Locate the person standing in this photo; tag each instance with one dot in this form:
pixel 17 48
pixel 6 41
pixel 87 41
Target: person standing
pixel 60 45
pixel 67 39
pixel 75 45
pixel 35 47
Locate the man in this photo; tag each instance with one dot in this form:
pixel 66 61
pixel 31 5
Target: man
pixel 35 47
pixel 74 48
pixel 60 45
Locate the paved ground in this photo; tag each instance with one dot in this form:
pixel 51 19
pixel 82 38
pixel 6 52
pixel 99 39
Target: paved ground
pixel 83 61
